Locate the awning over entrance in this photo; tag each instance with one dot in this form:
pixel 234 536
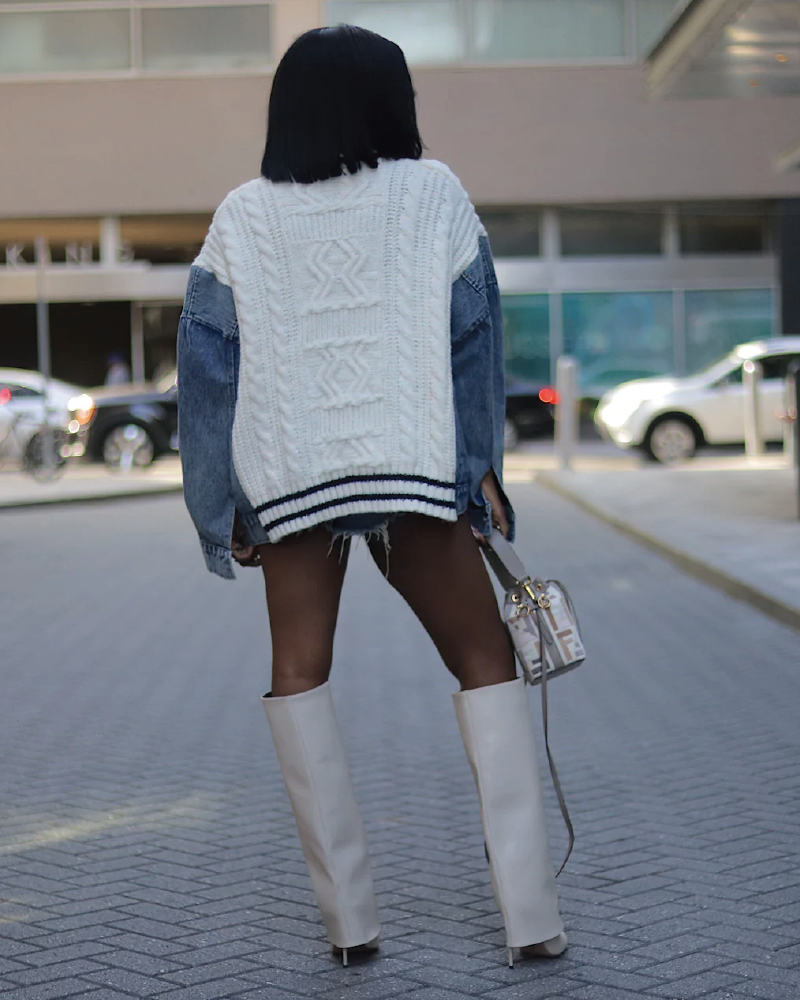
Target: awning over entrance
pixel 729 48
pixel 137 282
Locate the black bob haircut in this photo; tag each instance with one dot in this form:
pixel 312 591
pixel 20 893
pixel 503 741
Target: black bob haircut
pixel 342 98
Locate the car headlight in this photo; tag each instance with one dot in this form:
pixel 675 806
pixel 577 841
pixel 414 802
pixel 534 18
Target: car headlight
pixel 82 409
pixel 618 410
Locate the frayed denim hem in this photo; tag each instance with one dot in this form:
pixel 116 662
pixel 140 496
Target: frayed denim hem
pixel 370 527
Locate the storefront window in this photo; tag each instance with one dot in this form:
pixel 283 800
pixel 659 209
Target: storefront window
pixel 715 229
pixel 716 321
pixel 63 40
pixel 513 232
pixel 526 325
pixel 428 31
pixel 190 38
pixel 652 18
pixel 174 35
pixel 548 29
pixel 617 336
pixel 609 232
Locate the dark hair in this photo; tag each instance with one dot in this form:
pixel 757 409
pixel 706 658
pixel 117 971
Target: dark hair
pixel 342 98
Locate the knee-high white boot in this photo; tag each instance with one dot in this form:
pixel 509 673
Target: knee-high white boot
pixel 314 766
pixel 497 731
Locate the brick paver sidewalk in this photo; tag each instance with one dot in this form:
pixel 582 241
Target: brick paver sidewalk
pixel 147 845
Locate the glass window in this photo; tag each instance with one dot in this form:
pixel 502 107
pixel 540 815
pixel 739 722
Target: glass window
pixel 716 321
pixel 22 391
pixel 205 37
pixel 617 336
pixel 62 40
pixel 605 232
pixel 526 326
pixel 652 18
pixel 715 230
pixel 776 366
pixel 512 233
pixel 548 29
pixel 428 31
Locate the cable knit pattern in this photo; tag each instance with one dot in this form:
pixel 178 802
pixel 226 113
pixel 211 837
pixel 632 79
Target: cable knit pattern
pixel 342 291
pixel 280 380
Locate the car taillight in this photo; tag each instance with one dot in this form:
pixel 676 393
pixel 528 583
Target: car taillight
pixel 549 395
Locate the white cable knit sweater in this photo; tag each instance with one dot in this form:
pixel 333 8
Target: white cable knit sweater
pixel 342 292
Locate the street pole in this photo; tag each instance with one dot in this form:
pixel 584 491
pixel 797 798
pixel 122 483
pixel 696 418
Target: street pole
pixel 566 410
pixel 753 437
pixel 43 341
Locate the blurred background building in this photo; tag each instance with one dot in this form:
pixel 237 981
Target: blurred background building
pixel 641 194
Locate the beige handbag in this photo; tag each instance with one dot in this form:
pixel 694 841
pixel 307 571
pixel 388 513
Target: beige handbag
pixel 544 629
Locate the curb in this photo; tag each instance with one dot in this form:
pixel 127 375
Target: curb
pixel 786 614
pixel 92 498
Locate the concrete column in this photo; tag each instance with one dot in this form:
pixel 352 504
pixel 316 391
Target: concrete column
pixel 110 242
pixel 291 18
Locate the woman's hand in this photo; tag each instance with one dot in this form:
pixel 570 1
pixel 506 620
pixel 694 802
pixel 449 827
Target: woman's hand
pixel 492 493
pixel 244 554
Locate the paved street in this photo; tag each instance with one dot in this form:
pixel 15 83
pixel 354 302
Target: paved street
pixel 147 848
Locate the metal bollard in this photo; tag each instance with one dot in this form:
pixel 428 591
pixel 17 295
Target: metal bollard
pixel 794 410
pixel 789 418
pixel 567 423
pixel 753 434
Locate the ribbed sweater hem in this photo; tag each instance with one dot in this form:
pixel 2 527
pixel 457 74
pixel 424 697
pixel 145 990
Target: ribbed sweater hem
pixel 367 494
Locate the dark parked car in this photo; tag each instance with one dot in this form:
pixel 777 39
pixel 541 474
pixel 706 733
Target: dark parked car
pixel 133 424
pixel 529 410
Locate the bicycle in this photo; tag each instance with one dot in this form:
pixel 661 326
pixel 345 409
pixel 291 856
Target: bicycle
pixel 42 455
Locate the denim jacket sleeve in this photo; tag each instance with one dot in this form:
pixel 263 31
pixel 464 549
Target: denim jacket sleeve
pixel 476 333
pixel 208 371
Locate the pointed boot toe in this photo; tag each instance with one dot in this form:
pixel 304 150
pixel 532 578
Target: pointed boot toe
pixel 552 948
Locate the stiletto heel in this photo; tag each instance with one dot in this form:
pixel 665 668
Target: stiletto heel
pixel 357 949
pixel 511 958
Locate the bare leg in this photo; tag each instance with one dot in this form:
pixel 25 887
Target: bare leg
pixel 437 568
pixel 303 578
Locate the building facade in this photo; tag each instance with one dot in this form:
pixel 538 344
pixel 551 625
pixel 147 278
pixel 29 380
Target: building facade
pixel 641 235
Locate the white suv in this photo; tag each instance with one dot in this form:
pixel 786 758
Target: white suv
pixel 669 418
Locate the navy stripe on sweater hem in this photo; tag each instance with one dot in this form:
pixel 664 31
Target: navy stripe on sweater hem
pixel 378 477
pixel 450 504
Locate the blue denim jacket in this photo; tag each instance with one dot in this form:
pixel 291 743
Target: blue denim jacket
pixel 208 375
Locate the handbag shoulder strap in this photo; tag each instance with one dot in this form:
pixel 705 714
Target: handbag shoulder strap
pixel 562 802
pixel 511 573
pixel 505 562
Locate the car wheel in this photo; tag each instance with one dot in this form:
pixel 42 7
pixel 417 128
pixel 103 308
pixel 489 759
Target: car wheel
pixel 510 436
pixel 672 439
pixel 128 446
